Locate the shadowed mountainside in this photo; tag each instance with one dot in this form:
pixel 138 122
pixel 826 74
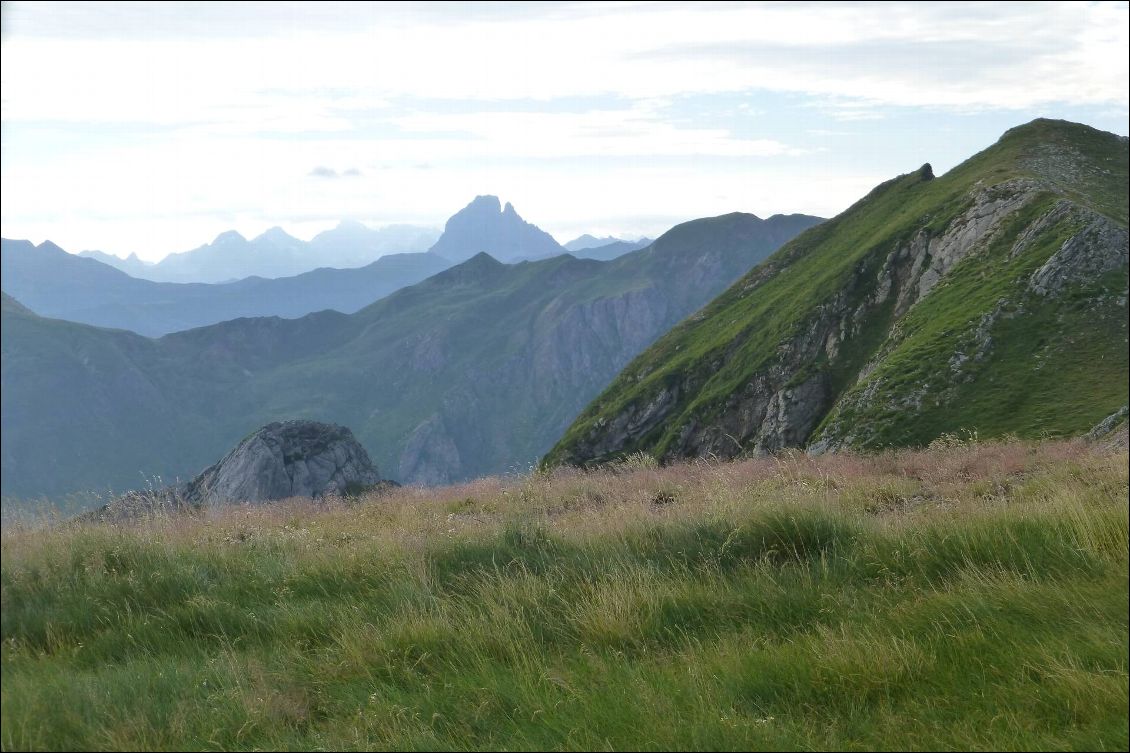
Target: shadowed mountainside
pixel 472 371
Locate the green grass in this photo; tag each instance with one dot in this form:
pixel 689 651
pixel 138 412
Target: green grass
pixel 967 597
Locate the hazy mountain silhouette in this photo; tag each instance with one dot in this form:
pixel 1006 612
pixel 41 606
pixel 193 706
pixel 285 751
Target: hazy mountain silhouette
pixel 484 226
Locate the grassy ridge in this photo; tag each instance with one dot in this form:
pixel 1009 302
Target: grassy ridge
pixel 960 597
pixel 1066 383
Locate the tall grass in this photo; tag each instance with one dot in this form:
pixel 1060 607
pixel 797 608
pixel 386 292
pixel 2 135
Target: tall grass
pixel 960 597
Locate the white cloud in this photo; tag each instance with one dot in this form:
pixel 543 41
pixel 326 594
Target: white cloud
pixel 1010 55
pixel 233 122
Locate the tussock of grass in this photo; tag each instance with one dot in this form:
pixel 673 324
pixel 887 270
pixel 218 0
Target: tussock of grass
pixel 968 596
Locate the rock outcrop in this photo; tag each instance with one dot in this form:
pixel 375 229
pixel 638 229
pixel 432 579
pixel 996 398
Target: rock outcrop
pixel 279 461
pixel 287 459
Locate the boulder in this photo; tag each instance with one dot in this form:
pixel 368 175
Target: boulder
pixel 286 459
pixel 281 460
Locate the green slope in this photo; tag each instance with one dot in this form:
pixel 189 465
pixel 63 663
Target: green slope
pixel 915 312
pixel 476 370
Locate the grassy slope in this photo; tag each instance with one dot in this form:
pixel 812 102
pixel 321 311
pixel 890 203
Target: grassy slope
pixel 738 334
pixel 965 597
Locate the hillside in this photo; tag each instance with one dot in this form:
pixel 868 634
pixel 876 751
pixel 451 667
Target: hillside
pixel 475 370
pixel 57 284
pixel 991 299
pixel 961 598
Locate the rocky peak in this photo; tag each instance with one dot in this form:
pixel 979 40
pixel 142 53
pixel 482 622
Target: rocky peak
pixel 275 235
pixel 48 247
pixel 485 225
pixel 228 236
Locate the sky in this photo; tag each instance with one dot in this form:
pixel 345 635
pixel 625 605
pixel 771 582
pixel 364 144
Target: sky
pixel 150 128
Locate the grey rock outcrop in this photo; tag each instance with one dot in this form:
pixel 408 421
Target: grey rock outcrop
pixel 279 461
pixel 287 459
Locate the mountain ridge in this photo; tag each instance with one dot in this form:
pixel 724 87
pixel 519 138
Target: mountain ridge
pixel 60 285
pixel 903 315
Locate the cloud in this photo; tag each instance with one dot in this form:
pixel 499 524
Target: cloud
pixel 910 54
pixel 583 113
pixel 321 171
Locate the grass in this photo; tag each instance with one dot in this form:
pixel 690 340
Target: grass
pixel 966 596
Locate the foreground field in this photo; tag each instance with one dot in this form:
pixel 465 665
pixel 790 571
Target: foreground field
pixel 966 597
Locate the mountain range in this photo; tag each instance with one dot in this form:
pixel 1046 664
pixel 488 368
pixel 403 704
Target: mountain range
pixel 475 370
pixel 66 286
pixel 276 253
pixel 991 300
pixel 588 242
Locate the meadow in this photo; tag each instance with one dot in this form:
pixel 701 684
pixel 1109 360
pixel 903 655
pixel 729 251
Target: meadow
pixel 966 596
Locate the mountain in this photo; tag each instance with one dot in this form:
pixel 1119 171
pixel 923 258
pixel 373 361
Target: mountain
pixel 67 286
pixel 991 299
pixel 485 226
pixel 276 253
pixel 230 256
pixel 590 241
pixel 131 265
pixel 605 249
pixel 475 370
pixel 353 244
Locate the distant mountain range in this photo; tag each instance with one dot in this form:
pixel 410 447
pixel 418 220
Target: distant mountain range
pixel 588 242
pixel 605 249
pixel 276 253
pixel 476 370
pixel 989 301
pixel 67 286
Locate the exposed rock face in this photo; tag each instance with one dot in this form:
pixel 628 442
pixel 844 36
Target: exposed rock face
pixel 288 459
pixel 1099 247
pixel 1112 429
pixel 780 407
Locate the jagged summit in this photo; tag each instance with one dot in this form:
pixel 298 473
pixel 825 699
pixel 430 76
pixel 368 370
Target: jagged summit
pixel 485 225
